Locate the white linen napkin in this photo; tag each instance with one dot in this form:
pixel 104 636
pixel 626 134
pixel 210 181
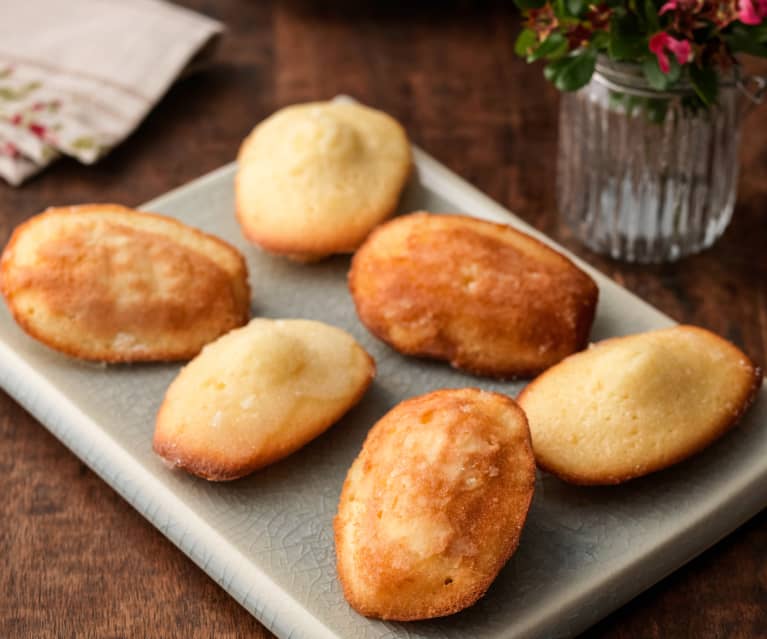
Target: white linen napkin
pixel 78 76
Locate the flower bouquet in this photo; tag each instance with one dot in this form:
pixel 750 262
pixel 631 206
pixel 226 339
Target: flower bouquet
pixel 649 125
pixel 673 41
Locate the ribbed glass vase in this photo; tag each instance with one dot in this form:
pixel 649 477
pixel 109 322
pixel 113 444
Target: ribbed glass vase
pixel 645 176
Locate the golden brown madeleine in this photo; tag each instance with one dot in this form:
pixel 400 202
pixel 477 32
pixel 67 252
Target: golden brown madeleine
pixel 103 282
pixel 632 405
pixel 433 506
pixel 485 297
pixel 259 393
pixel 314 179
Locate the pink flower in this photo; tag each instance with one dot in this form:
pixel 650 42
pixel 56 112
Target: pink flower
pixel 661 43
pixel 752 11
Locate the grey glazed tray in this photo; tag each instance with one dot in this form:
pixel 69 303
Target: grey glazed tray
pixel 267 539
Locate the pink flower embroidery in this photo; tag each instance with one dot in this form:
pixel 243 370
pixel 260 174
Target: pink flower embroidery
pixel 37 129
pixel 9 149
pixel 752 11
pixel 661 43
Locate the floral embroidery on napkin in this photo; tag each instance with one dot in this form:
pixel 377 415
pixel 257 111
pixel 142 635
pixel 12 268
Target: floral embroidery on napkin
pixel 70 86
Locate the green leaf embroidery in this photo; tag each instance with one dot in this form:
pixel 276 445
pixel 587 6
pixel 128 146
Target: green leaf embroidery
pixel 83 143
pixel 13 95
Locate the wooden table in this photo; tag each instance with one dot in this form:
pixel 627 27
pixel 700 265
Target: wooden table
pixel 77 561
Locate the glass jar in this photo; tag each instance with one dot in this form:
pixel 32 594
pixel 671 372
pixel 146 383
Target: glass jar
pixel 644 176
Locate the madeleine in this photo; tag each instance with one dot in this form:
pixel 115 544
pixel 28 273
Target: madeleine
pixel 632 405
pixel 433 506
pixel 314 179
pixel 257 394
pixel 103 282
pixel 485 297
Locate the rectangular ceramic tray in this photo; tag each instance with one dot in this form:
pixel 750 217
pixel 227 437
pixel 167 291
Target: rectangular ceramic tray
pixel 267 539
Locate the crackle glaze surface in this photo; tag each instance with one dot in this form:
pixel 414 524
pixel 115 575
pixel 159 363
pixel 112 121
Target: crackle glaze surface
pixel 267 539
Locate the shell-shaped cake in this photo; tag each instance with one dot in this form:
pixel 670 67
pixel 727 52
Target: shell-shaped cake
pixel 485 297
pixel 103 282
pixel 433 506
pixel 632 405
pixel 259 393
pixel 314 179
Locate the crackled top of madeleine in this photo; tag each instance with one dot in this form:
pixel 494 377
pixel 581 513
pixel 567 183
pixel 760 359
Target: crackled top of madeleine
pixel 434 504
pixel 314 179
pixel 632 405
pixel 483 296
pixel 104 282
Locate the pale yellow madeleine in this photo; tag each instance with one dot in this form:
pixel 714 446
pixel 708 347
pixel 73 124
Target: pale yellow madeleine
pixel 259 393
pixel 314 179
pixel 632 405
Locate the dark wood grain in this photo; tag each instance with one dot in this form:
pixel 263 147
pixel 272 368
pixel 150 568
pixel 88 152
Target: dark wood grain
pixel 77 561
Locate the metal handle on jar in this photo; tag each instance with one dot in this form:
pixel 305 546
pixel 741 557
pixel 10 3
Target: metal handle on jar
pixel 753 88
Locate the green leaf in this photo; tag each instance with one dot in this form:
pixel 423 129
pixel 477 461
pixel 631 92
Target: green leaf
pixel 575 7
pixel 549 47
pixel 656 109
pixel 627 41
pixel 617 99
pixel 655 77
pixel 600 40
pixel 560 51
pixel 705 82
pixel 658 80
pixel 553 69
pixel 529 4
pixel 747 40
pixel 651 16
pixel 526 42
pixel 634 103
pixel 577 72
pixel 675 71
